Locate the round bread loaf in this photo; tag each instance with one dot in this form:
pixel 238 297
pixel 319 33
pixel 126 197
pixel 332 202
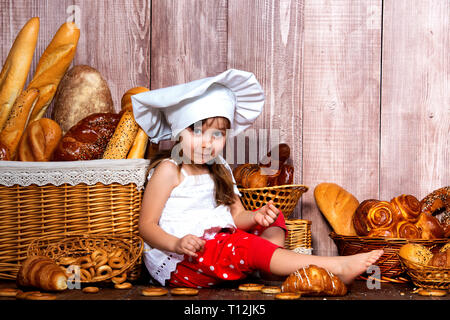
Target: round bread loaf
pixel 82 92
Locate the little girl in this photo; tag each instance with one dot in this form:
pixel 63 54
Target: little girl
pixel 196 231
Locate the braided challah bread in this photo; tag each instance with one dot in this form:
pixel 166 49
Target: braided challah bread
pixel 315 281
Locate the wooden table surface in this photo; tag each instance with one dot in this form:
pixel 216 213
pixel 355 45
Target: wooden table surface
pixel 227 302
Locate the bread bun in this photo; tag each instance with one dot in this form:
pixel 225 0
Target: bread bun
pixel 82 92
pixel 338 206
pixel 16 67
pixel 52 66
pixel 126 98
pixel 440 259
pixel 39 140
pixel 416 253
pixel 430 227
pixel 87 139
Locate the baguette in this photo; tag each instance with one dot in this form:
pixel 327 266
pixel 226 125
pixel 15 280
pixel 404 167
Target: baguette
pixel 139 146
pixel 123 137
pixel 126 98
pixel 52 66
pixel 16 67
pixel 18 120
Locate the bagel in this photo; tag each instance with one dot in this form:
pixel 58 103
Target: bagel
pixel 287 296
pixel 123 285
pixel 250 287
pixel 154 292
pixel 120 278
pixel 9 292
pixel 184 291
pixel 431 292
pixel 90 289
pixel 116 262
pixel 103 271
pixel 271 289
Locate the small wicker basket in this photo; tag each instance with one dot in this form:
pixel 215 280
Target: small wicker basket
pixel 285 197
pixel 298 235
pixel 389 263
pixel 427 276
pixel 76 245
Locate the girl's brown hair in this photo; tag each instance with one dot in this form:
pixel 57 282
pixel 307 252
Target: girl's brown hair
pixel 223 182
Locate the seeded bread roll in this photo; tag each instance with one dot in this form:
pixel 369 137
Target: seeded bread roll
pixel 17 65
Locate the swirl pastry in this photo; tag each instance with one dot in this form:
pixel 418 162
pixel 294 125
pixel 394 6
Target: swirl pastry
pixel 407 230
pixel 408 206
pixel 374 214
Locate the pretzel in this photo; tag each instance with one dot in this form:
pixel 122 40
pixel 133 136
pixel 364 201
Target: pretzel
pixel 104 271
pixel 90 289
pixel 184 291
pixel 251 287
pixel 287 296
pixel 270 289
pixel 9 292
pixel 116 262
pixel 124 285
pixel 154 292
pixel 120 278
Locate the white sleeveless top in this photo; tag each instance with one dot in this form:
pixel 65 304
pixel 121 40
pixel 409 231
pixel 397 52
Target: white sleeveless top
pixel 190 209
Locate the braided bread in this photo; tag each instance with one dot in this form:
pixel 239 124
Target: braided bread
pixel 315 281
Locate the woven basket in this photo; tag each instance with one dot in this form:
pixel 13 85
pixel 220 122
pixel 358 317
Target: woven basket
pixel 76 245
pixel 284 197
pixel 427 276
pixel 33 211
pixel 298 235
pixel 389 263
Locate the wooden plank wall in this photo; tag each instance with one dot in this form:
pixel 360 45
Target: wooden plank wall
pixel 358 89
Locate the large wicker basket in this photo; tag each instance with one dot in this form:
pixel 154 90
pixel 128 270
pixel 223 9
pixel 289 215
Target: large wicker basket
pixel 80 245
pixel 285 197
pixel 389 263
pixel 33 210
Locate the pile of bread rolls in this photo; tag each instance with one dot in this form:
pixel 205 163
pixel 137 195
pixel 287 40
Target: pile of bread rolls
pixel 83 124
pixel 271 171
pixel 422 255
pixel 403 216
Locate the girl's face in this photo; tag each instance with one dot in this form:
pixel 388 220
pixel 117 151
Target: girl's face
pixel 204 140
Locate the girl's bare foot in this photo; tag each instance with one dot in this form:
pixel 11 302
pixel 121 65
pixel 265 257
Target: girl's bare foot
pixel 352 266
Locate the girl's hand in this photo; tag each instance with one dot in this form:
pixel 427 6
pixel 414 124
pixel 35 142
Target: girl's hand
pixel 266 215
pixel 189 245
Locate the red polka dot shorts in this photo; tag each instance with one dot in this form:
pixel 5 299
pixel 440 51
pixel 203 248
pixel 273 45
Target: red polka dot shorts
pixel 229 256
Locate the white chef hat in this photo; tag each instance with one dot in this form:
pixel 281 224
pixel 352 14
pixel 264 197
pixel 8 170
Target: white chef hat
pixel 233 94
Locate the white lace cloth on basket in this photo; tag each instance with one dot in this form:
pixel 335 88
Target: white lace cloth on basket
pixel 90 172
